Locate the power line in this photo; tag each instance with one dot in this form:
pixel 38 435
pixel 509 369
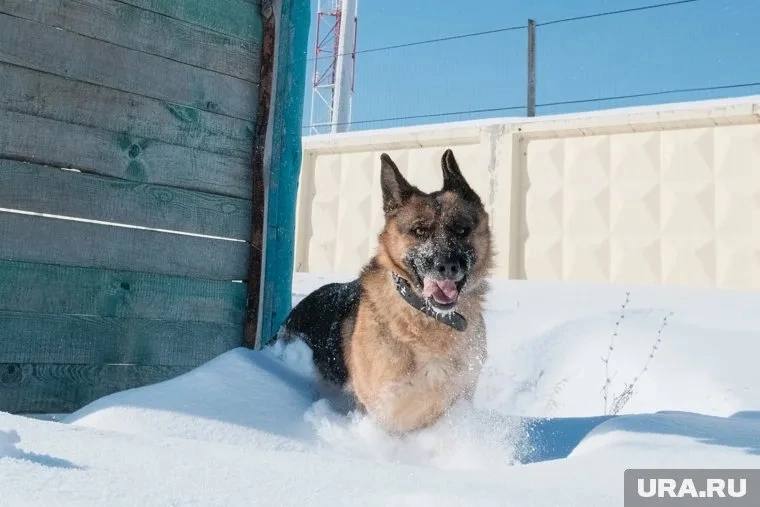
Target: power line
pixel 442 39
pixel 418 116
pixel 506 29
pixel 651 94
pixel 426 41
pixel 548 104
pixel 611 13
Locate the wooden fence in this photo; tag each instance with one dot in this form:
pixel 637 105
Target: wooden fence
pixel 126 139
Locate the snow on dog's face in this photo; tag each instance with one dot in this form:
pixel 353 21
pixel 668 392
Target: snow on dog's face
pixel 439 242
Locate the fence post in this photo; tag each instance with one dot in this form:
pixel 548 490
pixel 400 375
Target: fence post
pixel 531 105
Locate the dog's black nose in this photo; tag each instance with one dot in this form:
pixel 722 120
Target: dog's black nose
pixel 448 268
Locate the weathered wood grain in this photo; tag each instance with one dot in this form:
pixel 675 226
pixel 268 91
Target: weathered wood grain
pixel 68 243
pixel 55 143
pixel 40 94
pixel 43 189
pixel 136 28
pixel 63 388
pixel 147 97
pixel 36 46
pixel 51 289
pixel 239 18
pixel 87 339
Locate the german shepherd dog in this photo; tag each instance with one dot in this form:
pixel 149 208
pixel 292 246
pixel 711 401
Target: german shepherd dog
pixel 407 338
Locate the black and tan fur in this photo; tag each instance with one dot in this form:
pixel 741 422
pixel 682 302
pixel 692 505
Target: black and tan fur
pixel 404 367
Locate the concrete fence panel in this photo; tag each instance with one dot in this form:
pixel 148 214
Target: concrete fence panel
pixel 654 195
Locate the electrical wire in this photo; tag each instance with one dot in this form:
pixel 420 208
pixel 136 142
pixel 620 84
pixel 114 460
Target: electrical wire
pixel 548 104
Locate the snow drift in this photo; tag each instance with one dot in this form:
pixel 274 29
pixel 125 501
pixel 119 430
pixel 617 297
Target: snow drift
pixel 248 428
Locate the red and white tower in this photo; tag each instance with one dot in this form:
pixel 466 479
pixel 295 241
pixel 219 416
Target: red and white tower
pixel 332 85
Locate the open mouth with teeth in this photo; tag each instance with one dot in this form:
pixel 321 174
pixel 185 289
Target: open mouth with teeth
pixel 442 294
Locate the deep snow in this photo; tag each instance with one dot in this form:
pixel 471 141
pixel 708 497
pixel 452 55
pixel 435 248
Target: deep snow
pixel 246 429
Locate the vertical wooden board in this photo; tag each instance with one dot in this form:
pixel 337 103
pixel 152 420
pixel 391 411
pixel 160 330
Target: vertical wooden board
pixel 64 388
pixel 125 114
pixel 51 289
pixel 258 173
pixel 88 339
pixel 35 46
pixel 59 144
pixel 293 30
pixel 31 187
pixel 155 34
pixel 238 18
pixel 69 243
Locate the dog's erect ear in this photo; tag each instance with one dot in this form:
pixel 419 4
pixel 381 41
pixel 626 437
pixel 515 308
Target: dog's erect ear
pixel 396 189
pixel 453 181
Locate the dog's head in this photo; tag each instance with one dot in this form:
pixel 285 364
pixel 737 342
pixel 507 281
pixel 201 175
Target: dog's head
pixel 440 242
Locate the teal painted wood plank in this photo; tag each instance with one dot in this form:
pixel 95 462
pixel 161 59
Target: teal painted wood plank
pixel 42 189
pixel 64 388
pixel 293 31
pixel 36 46
pixel 63 242
pixel 131 158
pixel 87 339
pixel 124 114
pixel 153 33
pixel 51 289
pixel 239 18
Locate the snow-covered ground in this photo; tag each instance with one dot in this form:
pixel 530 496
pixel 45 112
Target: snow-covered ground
pixel 245 429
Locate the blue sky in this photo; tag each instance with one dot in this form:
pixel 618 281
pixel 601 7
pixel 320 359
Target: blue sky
pixel 704 43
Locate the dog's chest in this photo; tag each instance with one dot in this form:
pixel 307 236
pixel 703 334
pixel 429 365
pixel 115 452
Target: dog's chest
pixel 435 371
pixel 453 368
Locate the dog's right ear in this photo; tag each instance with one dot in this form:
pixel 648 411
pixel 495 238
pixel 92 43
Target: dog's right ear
pixel 396 190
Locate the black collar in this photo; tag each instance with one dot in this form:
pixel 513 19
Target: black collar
pixel 451 319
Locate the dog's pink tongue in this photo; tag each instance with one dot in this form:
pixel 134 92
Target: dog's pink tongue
pixel 443 291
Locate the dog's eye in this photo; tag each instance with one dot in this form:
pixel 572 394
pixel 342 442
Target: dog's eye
pixel 420 232
pixel 461 230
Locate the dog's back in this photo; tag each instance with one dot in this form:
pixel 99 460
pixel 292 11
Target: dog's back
pixel 323 320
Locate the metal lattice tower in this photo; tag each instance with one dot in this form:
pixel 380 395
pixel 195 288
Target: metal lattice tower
pixel 332 85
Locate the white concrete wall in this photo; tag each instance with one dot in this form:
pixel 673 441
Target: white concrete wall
pixel 654 195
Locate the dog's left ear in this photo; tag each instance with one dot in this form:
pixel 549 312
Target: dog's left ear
pixel 453 181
